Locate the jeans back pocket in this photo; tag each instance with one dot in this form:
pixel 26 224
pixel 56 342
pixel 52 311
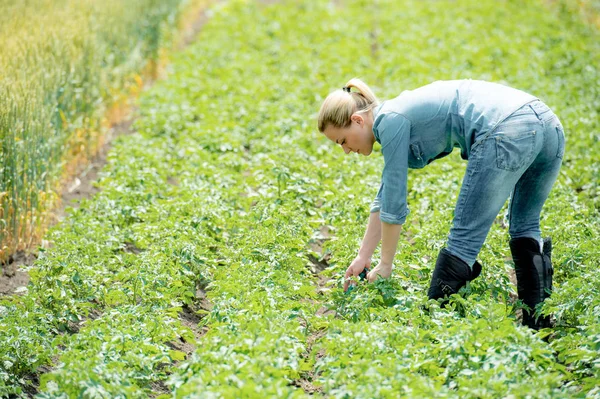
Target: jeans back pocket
pixel 514 149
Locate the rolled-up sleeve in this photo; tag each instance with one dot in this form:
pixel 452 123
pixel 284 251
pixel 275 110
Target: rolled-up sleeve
pixel 394 136
pixel 376 204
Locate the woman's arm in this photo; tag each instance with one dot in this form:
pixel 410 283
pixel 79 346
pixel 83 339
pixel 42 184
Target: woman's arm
pixel 389 241
pixel 372 236
pixel 394 134
pixel 390 235
pixel 369 243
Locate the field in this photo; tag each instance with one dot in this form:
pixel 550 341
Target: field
pixel 211 262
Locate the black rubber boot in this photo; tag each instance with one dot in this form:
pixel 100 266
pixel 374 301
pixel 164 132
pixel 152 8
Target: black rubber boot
pixel 450 274
pixel 534 277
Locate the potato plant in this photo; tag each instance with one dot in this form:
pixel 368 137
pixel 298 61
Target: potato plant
pixel 227 188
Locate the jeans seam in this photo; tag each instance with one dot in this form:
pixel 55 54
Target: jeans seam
pixel 510 208
pixel 559 133
pixel 468 184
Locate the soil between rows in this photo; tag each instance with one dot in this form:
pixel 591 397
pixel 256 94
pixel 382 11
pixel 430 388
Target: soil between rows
pixel 318 262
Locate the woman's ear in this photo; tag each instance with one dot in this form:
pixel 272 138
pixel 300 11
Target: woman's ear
pixel 357 119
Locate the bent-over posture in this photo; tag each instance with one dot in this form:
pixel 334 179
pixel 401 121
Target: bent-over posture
pixel 514 145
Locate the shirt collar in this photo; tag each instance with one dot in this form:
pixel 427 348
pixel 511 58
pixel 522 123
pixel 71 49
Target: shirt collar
pixel 376 110
pixel 375 113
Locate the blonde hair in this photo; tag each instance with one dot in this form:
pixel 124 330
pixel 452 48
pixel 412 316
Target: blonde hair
pixel 340 105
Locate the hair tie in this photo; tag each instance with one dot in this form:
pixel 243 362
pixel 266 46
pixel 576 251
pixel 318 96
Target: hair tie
pixel 346 89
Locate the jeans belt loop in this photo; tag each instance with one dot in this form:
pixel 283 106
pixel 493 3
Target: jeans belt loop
pixel 533 109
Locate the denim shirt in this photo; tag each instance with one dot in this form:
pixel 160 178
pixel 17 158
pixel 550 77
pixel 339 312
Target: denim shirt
pixel 425 124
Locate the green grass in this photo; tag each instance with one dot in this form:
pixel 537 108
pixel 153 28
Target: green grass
pixel 227 183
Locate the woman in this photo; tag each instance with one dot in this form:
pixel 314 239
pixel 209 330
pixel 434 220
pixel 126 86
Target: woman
pixel 514 145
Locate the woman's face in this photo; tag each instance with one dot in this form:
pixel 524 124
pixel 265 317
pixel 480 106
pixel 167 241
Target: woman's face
pixel 358 137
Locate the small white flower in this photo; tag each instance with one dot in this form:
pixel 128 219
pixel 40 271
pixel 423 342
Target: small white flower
pixel 52 387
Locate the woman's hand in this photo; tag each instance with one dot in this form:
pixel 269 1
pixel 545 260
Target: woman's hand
pixel 383 270
pixel 356 267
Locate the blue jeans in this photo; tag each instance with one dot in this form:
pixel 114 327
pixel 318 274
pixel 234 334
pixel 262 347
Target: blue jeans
pixel 520 158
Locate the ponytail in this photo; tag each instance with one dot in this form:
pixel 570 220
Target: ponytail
pixel 339 106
